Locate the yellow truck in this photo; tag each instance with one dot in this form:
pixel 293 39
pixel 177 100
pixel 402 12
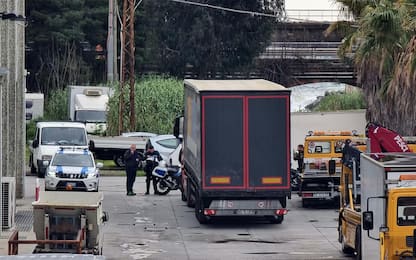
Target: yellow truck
pixel 320 176
pixel 381 189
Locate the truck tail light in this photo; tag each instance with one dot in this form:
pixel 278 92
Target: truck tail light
pixel 209 212
pixel 281 212
pixel 307 195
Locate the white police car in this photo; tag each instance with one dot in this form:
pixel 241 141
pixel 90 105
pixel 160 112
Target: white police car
pixel 72 169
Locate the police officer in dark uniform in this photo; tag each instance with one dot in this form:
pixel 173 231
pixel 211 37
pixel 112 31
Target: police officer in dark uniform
pixel 131 159
pixel 152 158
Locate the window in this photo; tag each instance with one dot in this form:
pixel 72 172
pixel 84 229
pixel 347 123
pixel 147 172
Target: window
pixel 75 160
pixel 406 211
pixel 319 147
pixel 339 145
pixel 169 143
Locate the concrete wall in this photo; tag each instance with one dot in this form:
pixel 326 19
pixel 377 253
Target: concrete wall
pixel 325 121
pixel 12 120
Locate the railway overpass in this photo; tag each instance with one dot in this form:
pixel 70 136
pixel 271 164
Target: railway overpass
pixel 299 53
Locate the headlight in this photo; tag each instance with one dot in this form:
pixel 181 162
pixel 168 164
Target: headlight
pixel 51 173
pixel 92 174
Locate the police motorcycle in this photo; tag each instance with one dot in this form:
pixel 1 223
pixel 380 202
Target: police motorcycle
pixel 166 178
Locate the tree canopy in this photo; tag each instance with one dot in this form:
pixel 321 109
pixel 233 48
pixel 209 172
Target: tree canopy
pixel 384 39
pixel 171 38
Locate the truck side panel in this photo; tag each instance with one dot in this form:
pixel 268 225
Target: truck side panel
pixel 192 133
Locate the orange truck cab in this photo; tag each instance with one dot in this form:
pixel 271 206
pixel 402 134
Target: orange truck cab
pixel 320 177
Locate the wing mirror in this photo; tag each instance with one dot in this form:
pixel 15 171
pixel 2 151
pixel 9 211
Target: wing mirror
pixel 368 220
pixel 99 165
pixel 35 143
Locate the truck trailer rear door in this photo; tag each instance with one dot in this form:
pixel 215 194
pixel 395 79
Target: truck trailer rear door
pixel 245 142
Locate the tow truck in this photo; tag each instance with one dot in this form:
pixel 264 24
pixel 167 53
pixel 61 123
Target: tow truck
pixel 321 173
pixel 380 188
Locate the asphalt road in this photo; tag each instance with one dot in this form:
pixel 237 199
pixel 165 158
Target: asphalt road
pixel 162 227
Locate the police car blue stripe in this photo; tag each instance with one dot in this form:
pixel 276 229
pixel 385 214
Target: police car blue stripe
pixel 84 170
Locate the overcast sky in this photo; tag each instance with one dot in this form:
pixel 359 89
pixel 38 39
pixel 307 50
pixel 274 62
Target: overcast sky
pixel 310 4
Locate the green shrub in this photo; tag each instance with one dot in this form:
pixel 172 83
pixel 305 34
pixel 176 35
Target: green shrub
pixel 340 101
pixel 56 105
pixel 158 101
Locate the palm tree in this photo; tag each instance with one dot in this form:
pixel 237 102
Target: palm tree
pixel 384 59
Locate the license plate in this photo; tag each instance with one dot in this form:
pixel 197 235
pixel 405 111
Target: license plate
pixel 321 195
pixel 245 212
pixel 72 184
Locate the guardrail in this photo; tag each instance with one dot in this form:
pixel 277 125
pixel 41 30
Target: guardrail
pixel 317 15
pixel 301 50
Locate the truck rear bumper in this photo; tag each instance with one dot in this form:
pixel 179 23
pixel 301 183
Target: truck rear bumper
pixel 245 208
pixel 319 195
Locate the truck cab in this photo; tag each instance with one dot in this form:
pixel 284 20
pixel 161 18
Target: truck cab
pixel 320 178
pixel 88 104
pixel 388 211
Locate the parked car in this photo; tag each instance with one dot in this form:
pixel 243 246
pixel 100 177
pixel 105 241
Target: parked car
pixel 72 169
pixel 165 144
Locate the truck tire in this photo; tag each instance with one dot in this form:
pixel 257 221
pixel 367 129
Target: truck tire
pixel 190 198
pixel 358 254
pixel 183 197
pixel 283 202
pixel 119 160
pixel 199 211
pixel 276 219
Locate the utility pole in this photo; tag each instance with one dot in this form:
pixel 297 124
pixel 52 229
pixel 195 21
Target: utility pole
pixel 127 57
pixel 112 42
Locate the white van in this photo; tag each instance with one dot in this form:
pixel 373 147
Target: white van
pixel 49 137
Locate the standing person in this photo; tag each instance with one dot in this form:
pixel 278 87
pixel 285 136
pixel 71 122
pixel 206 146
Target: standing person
pixel 299 155
pixel 151 154
pixel 131 158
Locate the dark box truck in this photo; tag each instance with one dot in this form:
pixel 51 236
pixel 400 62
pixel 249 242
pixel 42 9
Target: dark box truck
pixel 236 149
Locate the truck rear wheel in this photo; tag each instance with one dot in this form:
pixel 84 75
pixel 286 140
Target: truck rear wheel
pixel 276 219
pixel 199 211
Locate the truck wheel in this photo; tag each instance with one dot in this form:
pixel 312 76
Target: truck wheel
pixel 199 211
pixel 190 202
pixel 358 255
pixel 183 197
pixel 283 202
pixel 276 219
pixel 119 160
